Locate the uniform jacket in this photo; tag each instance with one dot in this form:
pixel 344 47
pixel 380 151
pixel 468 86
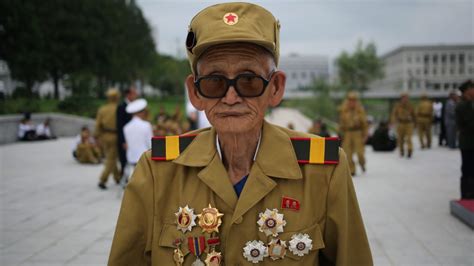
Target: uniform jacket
pixel 403 113
pixel 465 124
pixel 351 120
pixel 424 112
pixel 105 122
pixel 329 212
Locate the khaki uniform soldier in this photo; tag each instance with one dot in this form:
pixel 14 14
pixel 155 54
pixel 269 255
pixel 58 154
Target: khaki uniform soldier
pixel 403 114
pixel 353 126
pixel 243 191
pixel 86 150
pixel 424 118
pixel 106 134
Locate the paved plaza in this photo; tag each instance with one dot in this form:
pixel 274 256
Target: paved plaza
pixel 52 213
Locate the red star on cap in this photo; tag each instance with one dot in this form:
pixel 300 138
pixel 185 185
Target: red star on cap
pixel 230 18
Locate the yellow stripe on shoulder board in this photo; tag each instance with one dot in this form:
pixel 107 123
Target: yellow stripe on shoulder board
pixel 316 150
pixel 172 147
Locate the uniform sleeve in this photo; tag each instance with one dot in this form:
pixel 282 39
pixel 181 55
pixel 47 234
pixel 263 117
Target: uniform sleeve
pixel 344 236
pixel 133 234
pixel 98 124
pixel 393 116
pixel 364 124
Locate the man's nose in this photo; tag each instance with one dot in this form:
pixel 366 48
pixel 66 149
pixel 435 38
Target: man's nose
pixel 231 97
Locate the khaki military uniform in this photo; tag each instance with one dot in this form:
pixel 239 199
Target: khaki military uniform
pixel 404 116
pixel 106 132
pixel 353 126
pixel 424 118
pixel 87 153
pixel 329 212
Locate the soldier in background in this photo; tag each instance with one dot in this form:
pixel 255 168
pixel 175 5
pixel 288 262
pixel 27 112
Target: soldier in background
pixel 353 127
pixel 122 119
pixel 403 114
pixel 86 150
pixel 106 135
pixel 465 123
pixel 424 119
pixel 450 120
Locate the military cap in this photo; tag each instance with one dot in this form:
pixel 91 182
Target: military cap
pixel 352 95
pixel 112 93
pixel 232 23
pixel 136 106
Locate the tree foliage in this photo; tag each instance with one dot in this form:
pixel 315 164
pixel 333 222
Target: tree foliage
pixel 110 40
pixel 358 69
pixel 168 74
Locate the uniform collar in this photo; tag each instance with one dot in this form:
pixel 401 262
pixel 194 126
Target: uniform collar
pixel 276 156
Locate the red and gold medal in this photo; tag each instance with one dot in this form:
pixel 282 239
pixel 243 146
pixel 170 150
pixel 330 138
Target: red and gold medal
pixel 210 220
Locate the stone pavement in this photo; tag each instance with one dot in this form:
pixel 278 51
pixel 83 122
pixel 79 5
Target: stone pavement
pixel 51 212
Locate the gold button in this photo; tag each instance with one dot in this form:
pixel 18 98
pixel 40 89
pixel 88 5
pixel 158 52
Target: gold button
pixel 239 220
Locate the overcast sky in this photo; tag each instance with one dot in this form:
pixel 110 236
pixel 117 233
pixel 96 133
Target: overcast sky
pixel 327 27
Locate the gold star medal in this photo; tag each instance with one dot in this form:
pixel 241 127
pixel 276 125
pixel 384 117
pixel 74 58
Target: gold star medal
pixel 185 219
pixel 210 219
pixel 271 222
pixel 277 249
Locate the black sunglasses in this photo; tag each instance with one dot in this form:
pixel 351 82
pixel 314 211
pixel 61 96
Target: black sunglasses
pixel 246 85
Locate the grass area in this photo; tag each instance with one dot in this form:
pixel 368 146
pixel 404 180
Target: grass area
pixel 86 107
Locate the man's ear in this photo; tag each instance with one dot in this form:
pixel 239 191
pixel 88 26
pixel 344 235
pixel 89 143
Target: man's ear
pixel 194 97
pixel 278 88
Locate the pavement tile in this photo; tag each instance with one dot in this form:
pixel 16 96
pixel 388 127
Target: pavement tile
pixel 53 213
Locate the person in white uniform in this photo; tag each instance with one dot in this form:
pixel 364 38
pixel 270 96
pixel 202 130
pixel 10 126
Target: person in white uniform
pixel 138 133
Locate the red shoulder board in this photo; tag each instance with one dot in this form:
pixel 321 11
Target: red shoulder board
pixel 170 147
pixel 316 150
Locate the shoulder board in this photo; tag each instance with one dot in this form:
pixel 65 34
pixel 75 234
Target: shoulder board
pixel 168 148
pixel 316 150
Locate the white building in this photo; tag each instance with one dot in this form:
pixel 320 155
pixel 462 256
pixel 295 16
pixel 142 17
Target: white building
pixel 431 69
pixel 301 71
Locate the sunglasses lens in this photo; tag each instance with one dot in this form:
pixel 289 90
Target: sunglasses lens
pixel 213 87
pixel 250 85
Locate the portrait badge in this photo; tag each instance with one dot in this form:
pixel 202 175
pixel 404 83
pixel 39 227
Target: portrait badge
pixel 185 219
pixel 210 219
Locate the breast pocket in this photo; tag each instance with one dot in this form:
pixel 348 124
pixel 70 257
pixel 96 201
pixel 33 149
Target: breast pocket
pixel 313 232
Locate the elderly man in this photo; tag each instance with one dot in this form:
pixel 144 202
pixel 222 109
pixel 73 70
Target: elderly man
pixel 243 191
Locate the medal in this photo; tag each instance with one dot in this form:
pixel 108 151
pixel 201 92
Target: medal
pixel 213 258
pixel 185 219
pixel 196 246
pixel 210 220
pixel 178 255
pixel 277 249
pixel 255 251
pixel 271 222
pixel 300 244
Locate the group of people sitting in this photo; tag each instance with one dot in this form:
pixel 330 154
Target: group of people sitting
pixel 28 131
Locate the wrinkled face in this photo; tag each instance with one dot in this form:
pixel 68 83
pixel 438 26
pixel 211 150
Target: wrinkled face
pixel 232 113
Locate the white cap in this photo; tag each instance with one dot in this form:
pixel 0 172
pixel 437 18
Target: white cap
pixel 136 106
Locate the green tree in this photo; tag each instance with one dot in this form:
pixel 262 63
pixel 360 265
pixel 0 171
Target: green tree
pixel 358 69
pixel 168 74
pixel 53 38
